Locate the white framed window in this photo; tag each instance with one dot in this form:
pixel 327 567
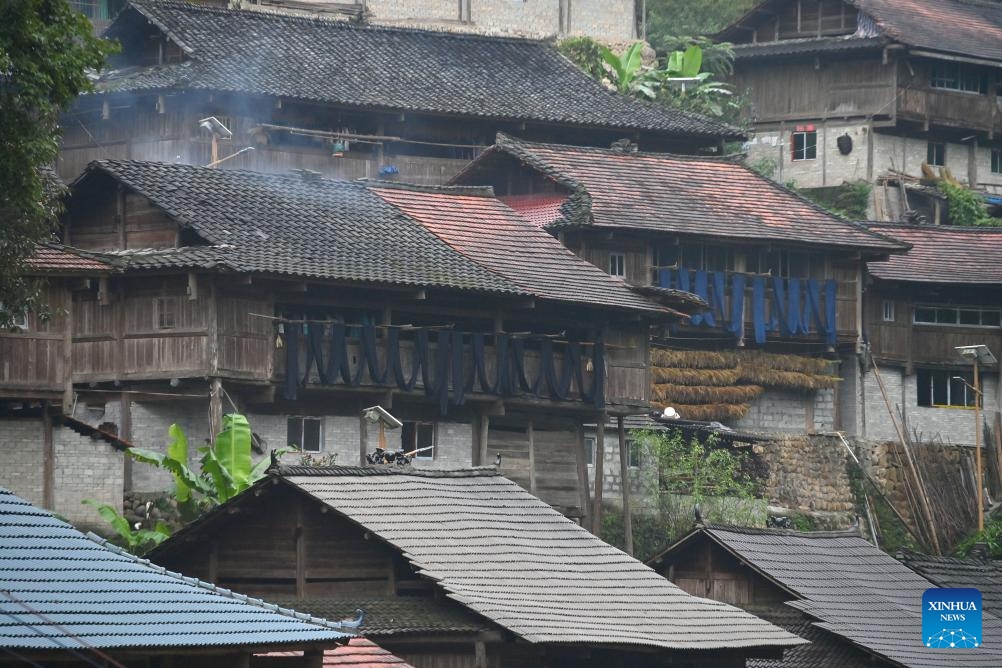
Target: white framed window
pixel 589 448
pixel 888 307
pixel 804 144
pixel 419 437
pixel 617 264
pixel 963 316
pixel 306 433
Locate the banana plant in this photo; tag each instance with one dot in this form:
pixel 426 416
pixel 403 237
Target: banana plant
pixel 136 539
pixel 632 78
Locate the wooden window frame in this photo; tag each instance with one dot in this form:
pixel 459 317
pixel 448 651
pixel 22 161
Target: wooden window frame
pixel 996 161
pixel 942 381
pixel 995 319
pixel 933 148
pixel 166 307
pixel 617 264
pixel 590 444
pixel 888 311
pixel 416 425
pixel 302 431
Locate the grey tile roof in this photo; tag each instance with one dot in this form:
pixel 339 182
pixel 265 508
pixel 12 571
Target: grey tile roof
pixel 60 589
pixel 387 68
pixel 809 46
pixel 853 590
pixel 292 225
pixel 660 192
pixel 826 650
pixel 514 560
pixel 393 616
pixel 982 574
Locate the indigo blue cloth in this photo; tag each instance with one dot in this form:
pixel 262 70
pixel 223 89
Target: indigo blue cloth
pixel 683 280
pixel 758 308
pixel 700 288
pixel 793 322
pixel 812 309
pixel 780 311
pixel 664 278
pixel 831 331
pixel 717 294
pixel 737 323
pixel 458 369
pixel 291 361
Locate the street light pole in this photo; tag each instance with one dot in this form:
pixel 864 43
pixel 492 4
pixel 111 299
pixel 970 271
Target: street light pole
pixel 978 353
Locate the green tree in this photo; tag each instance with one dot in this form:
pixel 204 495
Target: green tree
pixel 667 18
pixel 46 50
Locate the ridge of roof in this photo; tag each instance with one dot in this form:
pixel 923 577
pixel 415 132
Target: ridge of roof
pixel 465 191
pixel 216 589
pixel 936 229
pixel 776 531
pixel 288 471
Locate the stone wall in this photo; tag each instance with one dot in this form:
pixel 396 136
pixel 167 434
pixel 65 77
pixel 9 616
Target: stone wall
pixel 808 474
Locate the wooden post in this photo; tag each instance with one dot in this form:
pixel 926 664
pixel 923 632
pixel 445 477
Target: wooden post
pixel 624 472
pixel 363 439
pixel 68 355
pixel 48 460
pixel 481 654
pixel 977 447
pixel 530 432
pixel 485 429
pixel 596 513
pixel 583 478
pixel 125 433
pixel 300 553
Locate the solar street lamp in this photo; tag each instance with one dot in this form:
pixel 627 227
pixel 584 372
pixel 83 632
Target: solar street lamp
pixel 978 354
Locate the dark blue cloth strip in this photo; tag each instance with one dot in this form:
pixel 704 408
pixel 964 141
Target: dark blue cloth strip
pixel 737 323
pixel 831 310
pixel 291 360
pixel 758 308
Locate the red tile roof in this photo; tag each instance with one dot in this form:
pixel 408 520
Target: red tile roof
pixel 485 230
pixel 50 259
pixel 943 254
pixel 358 653
pixel 540 210
pixel 680 194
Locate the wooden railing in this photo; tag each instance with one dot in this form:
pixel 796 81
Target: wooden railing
pixel 968 110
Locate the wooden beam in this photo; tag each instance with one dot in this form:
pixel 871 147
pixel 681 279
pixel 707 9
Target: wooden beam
pixel 624 472
pixel 215 408
pixel 300 553
pixel 485 430
pixel 125 433
pixel 583 478
pixel 120 216
pixel 596 513
pixel 192 286
pixel 481 654
pixel 529 430
pixel 67 360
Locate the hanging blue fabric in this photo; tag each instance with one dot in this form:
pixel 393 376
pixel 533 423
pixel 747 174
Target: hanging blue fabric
pixel 518 363
pixel 597 394
pixel 758 309
pixel 683 280
pixel 664 278
pixel 291 361
pixel 831 310
pixel 701 289
pixel 502 350
pixel 812 309
pixel 419 356
pixel 737 324
pixel 337 362
pixel 717 315
pixel 793 306
pixel 479 346
pixel 780 321
pixel 371 351
pixel 315 353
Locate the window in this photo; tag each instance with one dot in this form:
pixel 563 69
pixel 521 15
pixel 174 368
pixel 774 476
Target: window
pixel 636 451
pixel 963 316
pixel 935 154
pixel 888 310
pixel 166 313
pixel 944 388
pixel 20 320
pixel 805 144
pixel 959 77
pixel 617 264
pixel 589 448
pixel 419 437
pixel 997 161
pixel 306 433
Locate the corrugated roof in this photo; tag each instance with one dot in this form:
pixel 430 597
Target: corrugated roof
pixel 491 234
pixel 942 254
pixel 60 589
pixel 386 68
pixel 853 590
pixel 679 194
pixel 511 558
pixel 982 574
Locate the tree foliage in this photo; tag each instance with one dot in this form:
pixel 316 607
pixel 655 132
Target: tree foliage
pixel 667 18
pixel 46 50
pixel 966 207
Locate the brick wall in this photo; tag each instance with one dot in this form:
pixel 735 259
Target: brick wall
pixel 952 425
pixel 790 412
pixel 85 468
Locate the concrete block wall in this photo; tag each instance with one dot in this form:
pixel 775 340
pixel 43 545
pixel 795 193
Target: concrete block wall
pixel 952 425
pixel 612 475
pixel 21 453
pixel 790 412
pixel 86 468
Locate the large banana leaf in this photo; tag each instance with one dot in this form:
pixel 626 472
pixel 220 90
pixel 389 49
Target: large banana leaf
pixel 223 487
pixel 233 450
pixel 177 450
pixel 182 474
pixel 692 61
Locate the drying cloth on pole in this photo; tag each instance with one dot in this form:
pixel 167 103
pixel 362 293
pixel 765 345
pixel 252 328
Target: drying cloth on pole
pixel 831 312
pixel 371 350
pixel 780 311
pixel 737 324
pixel 458 372
pixel 683 280
pixel 701 289
pixel 664 278
pixel 758 308
pixel 291 361
pixel 793 320
pixel 315 353
pixel 717 315
pixel 812 309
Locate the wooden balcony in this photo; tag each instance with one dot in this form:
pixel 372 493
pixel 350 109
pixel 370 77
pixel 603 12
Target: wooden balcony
pixel 950 108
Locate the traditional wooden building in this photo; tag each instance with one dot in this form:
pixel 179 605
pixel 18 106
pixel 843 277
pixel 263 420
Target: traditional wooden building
pixel 339 98
pixel 857 605
pixel 783 278
pixel 300 301
pixel 870 90
pixel 543 591
pixel 72 600
pixel 945 292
